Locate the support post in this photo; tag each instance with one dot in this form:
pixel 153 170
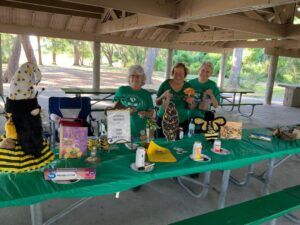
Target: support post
pixel 1 75
pixel 169 63
pixel 222 71
pixel 96 65
pixel 271 79
pixel 36 214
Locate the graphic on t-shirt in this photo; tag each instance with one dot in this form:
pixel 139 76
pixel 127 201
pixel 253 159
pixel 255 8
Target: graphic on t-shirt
pixel 132 101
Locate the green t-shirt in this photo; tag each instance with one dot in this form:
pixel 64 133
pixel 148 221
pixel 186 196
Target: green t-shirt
pixel 178 99
pixel 199 89
pixel 140 100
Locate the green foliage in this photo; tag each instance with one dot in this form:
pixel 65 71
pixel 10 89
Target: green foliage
pixel 7 42
pixel 57 45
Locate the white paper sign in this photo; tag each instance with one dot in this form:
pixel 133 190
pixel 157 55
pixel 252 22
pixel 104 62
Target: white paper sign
pixel 118 126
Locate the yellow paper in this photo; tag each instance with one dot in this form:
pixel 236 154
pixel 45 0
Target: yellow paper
pixel 157 153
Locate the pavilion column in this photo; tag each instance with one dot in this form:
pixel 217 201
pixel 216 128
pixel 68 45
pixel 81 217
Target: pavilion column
pixel 169 63
pixel 222 72
pixel 1 76
pixel 96 65
pixel 271 79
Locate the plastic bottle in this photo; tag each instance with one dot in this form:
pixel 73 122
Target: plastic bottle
pixel 191 129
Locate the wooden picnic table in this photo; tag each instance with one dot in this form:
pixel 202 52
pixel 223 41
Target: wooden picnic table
pixel 107 94
pixel 235 100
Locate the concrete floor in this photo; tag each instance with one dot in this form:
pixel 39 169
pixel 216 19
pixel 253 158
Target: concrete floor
pixel 164 201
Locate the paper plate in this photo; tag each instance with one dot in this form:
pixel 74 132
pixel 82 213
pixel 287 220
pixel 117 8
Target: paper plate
pixel 223 151
pixel 147 169
pixel 131 146
pixel 204 158
pixel 65 181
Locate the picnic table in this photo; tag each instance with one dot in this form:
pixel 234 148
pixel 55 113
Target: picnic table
pixel 291 95
pixel 114 173
pixel 233 98
pixel 99 95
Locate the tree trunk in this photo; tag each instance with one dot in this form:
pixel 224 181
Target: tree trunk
pixel 149 63
pixel 236 66
pixel 13 62
pixel 53 57
pixel 27 48
pixel 39 50
pixel 76 53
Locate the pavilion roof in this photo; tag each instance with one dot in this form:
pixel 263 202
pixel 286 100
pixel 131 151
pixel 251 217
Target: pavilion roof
pixel 198 25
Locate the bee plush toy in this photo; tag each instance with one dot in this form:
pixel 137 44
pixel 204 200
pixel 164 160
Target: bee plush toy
pixel 23 147
pixel 210 125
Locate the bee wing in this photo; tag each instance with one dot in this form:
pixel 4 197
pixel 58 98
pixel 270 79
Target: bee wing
pixel 217 122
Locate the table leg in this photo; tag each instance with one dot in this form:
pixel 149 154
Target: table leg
pixel 268 177
pixel 36 214
pixel 224 188
pixel 205 185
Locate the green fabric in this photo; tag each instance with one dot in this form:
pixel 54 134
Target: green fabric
pixel 140 100
pixel 178 99
pixel 200 88
pixel 114 173
pixel 255 211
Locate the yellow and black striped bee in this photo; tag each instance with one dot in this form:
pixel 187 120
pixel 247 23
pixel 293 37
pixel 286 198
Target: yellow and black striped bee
pixel 210 125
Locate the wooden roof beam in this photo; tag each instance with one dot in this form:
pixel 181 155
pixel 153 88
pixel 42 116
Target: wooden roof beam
pixel 282 52
pixel 134 22
pixel 43 8
pixel 244 24
pixel 220 35
pixel 285 44
pixel 29 30
pixel 149 7
pixel 191 10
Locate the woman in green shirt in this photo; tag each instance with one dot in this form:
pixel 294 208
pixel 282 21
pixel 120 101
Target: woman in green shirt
pixel 173 90
pixel 137 99
pixel 207 92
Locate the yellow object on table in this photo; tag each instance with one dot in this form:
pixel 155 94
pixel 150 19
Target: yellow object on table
pixel 157 153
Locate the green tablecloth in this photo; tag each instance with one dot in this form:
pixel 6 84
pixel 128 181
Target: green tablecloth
pixel 114 173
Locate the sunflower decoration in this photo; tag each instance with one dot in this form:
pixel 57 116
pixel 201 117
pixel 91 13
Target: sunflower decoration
pixel 190 92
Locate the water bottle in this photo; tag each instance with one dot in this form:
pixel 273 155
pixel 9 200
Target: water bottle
pixel 191 129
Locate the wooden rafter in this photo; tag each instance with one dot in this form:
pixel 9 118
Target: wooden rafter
pixel 220 35
pixel 45 8
pixel 149 7
pixel 285 44
pixel 242 23
pixel 282 52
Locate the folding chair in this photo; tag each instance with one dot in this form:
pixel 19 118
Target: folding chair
pixel 65 107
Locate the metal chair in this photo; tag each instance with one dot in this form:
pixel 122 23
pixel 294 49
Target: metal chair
pixel 65 107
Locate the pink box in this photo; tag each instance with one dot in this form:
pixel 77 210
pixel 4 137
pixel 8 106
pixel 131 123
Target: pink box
pixel 70 174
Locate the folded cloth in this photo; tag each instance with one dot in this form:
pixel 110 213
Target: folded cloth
pixel 157 153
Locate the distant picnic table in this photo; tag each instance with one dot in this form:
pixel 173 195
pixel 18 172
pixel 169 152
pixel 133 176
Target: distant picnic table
pixel 233 98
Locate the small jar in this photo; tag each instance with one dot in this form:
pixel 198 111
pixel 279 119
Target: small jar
pixel 181 133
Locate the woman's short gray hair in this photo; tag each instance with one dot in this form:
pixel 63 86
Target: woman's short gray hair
pixel 136 70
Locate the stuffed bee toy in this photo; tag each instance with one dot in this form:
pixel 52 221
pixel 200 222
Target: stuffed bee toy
pixel 23 142
pixel 210 125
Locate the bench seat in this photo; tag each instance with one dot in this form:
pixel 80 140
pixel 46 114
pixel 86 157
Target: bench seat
pixel 255 211
pixel 242 104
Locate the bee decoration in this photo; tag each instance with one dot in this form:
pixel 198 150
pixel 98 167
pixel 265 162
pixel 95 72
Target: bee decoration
pixel 210 125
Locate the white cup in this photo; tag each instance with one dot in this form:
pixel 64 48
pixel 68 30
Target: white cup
pixel 140 157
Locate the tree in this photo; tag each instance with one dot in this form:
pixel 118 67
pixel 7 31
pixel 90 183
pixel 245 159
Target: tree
pixel 123 54
pixel 149 63
pixel 108 51
pixel 39 50
pixel 234 79
pixel 13 62
pixel 76 52
pixel 27 48
pixel 56 46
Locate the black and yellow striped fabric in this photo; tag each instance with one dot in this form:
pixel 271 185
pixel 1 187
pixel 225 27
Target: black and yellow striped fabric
pixel 16 161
